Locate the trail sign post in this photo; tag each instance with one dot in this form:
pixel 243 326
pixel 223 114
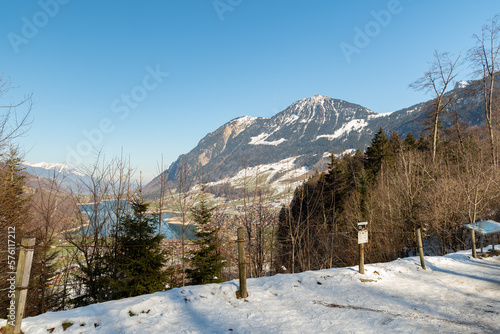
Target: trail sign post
pixel 362 240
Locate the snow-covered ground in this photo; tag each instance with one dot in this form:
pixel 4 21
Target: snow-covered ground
pixel 286 168
pixel 353 125
pixel 456 294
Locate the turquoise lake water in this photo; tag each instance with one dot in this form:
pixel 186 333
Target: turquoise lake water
pixel 106 209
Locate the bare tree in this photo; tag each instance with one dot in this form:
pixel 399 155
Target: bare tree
pixel 14 117
pixel 162 179
pixel 182 202
pixel 437 80
pixel 484 57
pixel 109 189
pixel 479 183
pixel 52 211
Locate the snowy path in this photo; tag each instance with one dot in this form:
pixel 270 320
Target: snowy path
pixel 454 295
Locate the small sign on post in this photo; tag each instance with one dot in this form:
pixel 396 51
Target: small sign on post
pixel 362 240
pixel 362 233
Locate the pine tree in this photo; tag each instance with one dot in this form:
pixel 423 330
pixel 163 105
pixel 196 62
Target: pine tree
pixel 13 201
pixel 14 214
pixel 379 150
pixel 43 271
pixel 397 144
pixel 206 261
pixel 410 142
pixel 139 262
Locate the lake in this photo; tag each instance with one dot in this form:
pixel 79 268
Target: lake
pixel 106 212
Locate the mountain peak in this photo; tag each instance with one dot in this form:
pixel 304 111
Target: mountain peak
pixel 314 100
pixel 308 105
pixel 462 84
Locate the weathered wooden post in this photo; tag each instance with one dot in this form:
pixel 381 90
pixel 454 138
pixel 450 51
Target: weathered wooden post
pixel 473 237
pixel 362 240
pixel 420 248
pixel 22 279
pixel 241 263
pixel 362 259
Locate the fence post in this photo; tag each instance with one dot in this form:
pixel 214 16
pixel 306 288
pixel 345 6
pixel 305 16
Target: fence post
pixel 22 281
pixel 241 263
pixel 420 248
pixel 473 237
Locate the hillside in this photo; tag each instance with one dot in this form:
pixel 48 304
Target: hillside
pixel 456 294
pixel 308 131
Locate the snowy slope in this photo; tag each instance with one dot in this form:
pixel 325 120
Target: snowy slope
pixel 456 294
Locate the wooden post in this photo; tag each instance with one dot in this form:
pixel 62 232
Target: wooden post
pixel 22 280
pixel 362 239
pixel 473 237
pixel 362 259
pixel 241 263
pixel 420 248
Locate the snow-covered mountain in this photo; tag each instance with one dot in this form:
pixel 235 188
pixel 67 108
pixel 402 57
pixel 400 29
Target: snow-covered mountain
pixel 309 130
pixel 456 294
pixel 69 178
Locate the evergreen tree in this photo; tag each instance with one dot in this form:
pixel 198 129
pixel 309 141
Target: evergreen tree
pixel 139 262
pixel 13 201
pixel 410 142
pixel 397 144
pixel 14 215
pixel 206 261
pixel 379 149
pixel 43 271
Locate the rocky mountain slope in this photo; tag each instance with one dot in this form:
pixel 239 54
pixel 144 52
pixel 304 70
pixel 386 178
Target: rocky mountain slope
pixel 305 134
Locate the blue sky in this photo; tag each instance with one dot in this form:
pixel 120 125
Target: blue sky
pixel 152 78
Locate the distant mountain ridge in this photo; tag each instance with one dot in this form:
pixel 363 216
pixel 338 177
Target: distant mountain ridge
pixel 45 167
pixel 69 178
